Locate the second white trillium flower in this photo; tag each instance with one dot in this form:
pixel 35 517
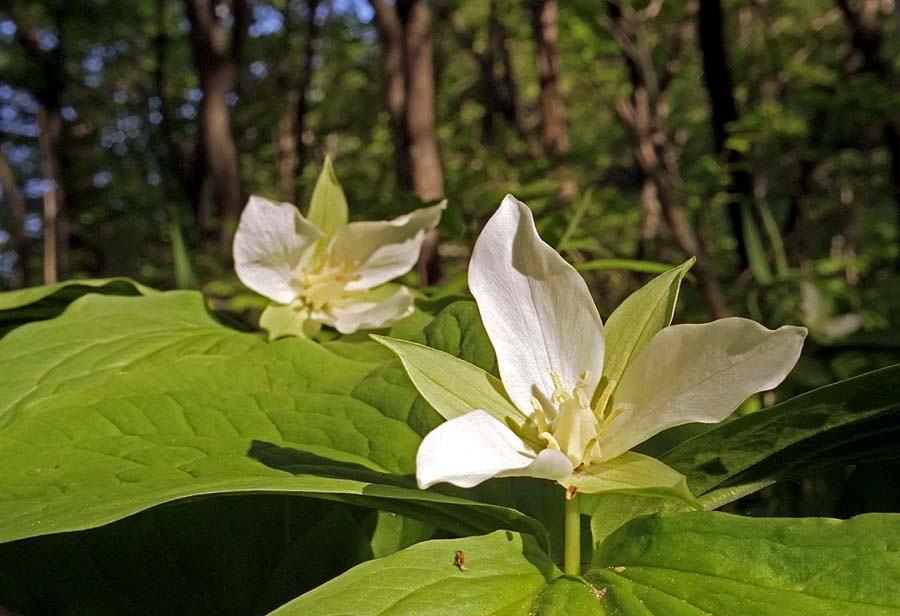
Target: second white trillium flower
pixel 321 269
pixel 573 400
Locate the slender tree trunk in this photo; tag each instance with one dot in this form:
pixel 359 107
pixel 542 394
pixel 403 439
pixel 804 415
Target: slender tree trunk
pixel 290 147
pixel 405 31
pixel 17 210
pixel 393 40
pixel 717 77
pixel 555 133
pixel 651 222
pixel 302 109
pixel 221 153
pixel 427 175
pixel 216 62
pixel 188 172
pixel 49 92
pixel 55 231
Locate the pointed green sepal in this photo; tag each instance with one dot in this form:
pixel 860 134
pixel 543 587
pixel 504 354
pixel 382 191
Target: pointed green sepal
pixel 328 206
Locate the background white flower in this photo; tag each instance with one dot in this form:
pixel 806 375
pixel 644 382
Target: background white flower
pixel 324 270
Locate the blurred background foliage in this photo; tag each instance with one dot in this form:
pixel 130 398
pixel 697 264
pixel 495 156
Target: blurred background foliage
pixel 762 136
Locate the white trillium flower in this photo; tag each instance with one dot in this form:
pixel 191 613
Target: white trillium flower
pixel 559 414
pixel 334 276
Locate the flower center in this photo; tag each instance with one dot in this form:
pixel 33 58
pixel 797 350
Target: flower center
pixel 325 285
pixel 576 429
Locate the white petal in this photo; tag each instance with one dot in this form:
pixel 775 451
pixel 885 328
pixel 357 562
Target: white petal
pixel 475 447
pixel 698 373
pixel 271 242
pixel 536 308
pixel 370 311
pixel 382 250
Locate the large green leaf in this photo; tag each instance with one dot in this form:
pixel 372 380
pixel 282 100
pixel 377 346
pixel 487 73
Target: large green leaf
pixel 567 596
pixel 458 330
pixel 121 404
pixel 232 554
pixel 502 574
pixel 855 420
pixel 715 563
pixel 640 317
pixel 39 303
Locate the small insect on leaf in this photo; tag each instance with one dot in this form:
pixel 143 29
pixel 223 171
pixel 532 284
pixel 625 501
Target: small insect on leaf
pixel 460 560
pixel 598 593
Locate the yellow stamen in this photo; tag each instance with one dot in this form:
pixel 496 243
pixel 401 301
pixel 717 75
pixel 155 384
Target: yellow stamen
pixel 539 415
pixel 605 396
pixel 586 456
pixel 551 440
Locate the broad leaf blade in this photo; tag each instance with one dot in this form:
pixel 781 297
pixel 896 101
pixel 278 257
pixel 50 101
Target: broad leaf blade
pixel 133 402
pixel 328 206
pixel 640 317
pixel 503 572
pixel 714 563
pixel 568 595
pixel 40 303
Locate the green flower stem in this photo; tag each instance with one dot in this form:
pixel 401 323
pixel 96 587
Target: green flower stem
pixel 572 564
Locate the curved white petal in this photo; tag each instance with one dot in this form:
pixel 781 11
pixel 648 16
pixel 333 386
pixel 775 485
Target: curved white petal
pixel 698 373
pixel 536 308
pixel 475 447
pixel 272 240
pixel 370 311
pixel 380 251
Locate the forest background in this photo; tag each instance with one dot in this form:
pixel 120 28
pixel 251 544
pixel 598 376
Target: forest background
pixel 761 136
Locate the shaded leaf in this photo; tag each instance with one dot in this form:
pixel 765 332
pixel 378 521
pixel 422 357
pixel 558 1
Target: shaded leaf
pixel 503 572
pixel 715 563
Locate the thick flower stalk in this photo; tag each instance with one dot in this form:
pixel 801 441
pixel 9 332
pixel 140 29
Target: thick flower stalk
pixel 573 399
pixel 324 270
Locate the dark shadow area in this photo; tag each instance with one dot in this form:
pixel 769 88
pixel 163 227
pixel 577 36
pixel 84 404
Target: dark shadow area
pixel 300 462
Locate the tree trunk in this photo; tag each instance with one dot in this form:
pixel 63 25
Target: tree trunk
pixel 554 132
pixel 393 39
pixel 427 175
pixel 21 243
pixel 216 62
pixel 717 77
pixel 221 153
pixel 56 237
pixel 188 172
pixel 290 147
pixel 50 86
pixel 405 31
